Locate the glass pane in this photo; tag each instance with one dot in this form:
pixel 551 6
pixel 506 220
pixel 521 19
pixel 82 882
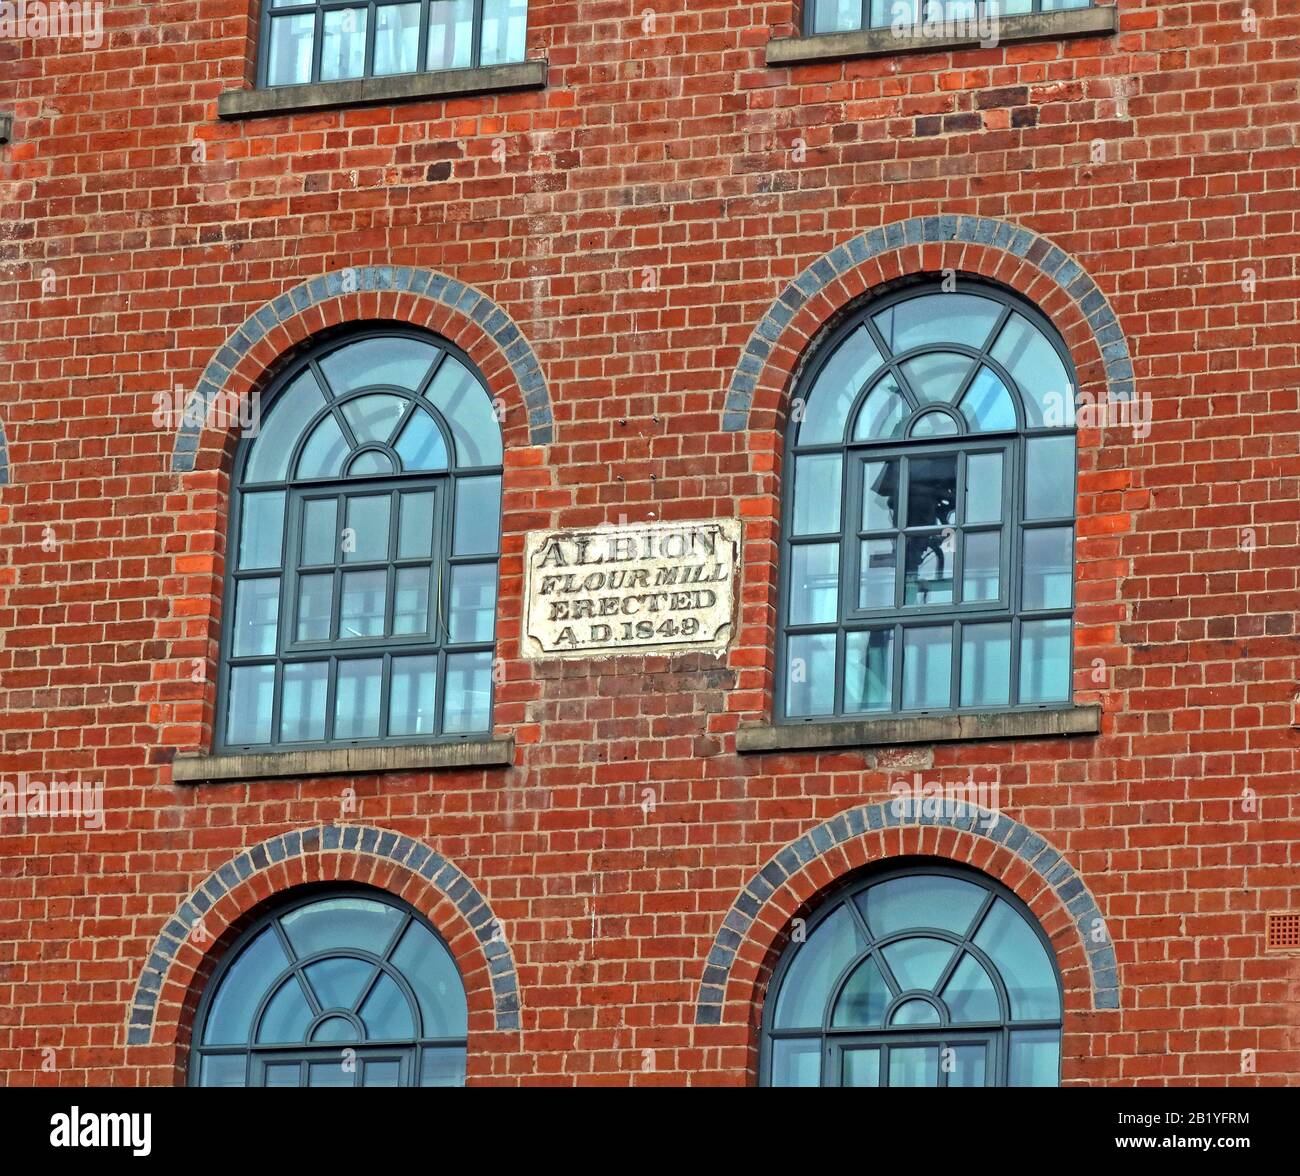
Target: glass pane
pixel 914 1066
pixel 338 982
pixel 365 535
pixel 937 376
pixel 320 530
pixel 986 665
pixel 1049 478
pixel 397 47
pixel 965 1064
pixel 467 700
pixel 335 923
pixel 421 446
pixel 451 34
pixel 386 1015
pixel 932 318
pixel 868 670
pixel 226 1070
pixel 826 412
pixel 281 1074
pixel 288 61
pixel 478 515
pixel 287 1015
pixel 919 962
pixel 412 695
pixel 230 1018
pixel 861 1067
pixel 268 456
pixel 322 456
pixel 302 701
pixel 370 464
pixel 814 583
pixel 411 601
pixel 981 575
pixel 373 418
pixel 1045 661
pixel 927 667
pixel 1048 567
pixel 932 491
pixel 877 573
pixel 400 362
pixel 797 1063
pixel 321 1074
pixel 1022 962
pixel 1034 364
pixel 315 599
pixel 928 569
pixel 934 424
pixel 864 998
pixel 882 412
pixel 361 612
pixel 1035 1058
pixel 987 405
pixel 921 900
pixel 983 487
pixel 473 602
pixel 457 394
pixel 386 1074
pixel 261 530
pixel 415 533
pixel 356 699
pixel 879 496
pixel 915 1012
pixel 257 617
pixel 248 705
pixel 344 51
pixel 970 995
pixel 817 494
pixel 836 16
pixel 505 23
pixel 817 964
pixel 334 1029
pixel 810 675
pixel 443 1067
pixel 431 972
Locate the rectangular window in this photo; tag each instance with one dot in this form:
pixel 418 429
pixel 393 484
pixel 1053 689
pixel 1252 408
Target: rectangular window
pixel 846 16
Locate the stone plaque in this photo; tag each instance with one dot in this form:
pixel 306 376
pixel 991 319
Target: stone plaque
pixel 638 587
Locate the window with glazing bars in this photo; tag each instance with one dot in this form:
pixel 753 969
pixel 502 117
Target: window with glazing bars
pixel 842 16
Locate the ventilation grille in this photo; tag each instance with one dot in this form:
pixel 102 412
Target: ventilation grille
pixel 1282 931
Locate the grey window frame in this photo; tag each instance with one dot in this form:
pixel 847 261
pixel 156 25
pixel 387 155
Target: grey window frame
pixel 810 6
pixel 259 1055
pixel 856 453
pixel 437 639
pixel 834 1040
pixel 320 7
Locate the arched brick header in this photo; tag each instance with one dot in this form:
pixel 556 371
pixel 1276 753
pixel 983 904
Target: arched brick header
pixel 352 852
pixel 1013 247
pixel 799 871
pixel 433 292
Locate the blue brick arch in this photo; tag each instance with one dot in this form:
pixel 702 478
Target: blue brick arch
pixel 350 841
pixel 422 284
pixel 1011 239
pixel 1045 861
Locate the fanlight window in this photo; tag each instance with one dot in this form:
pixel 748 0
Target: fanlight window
pixel 364 539
pixel 353 989
pixel 929 535
pixel 923 977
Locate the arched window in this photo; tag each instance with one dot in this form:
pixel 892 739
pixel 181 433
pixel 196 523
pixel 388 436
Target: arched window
pixel 929 516
pixel 924 976
pixel 361 595
pixel 349 989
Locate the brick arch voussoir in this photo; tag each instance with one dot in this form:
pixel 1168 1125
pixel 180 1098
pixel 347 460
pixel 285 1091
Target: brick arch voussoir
pixel 798 876
pixel 758 394
pixel 167 990
pixel 464 315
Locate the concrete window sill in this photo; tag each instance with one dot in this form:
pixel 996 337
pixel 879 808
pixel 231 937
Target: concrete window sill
pixel 343 761
pixel 446 83
pixel 900 729
pixel 1030 26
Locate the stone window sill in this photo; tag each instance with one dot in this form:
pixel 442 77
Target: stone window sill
pixel 1030 26
pixel 343 761
pixel 446 83
pixel 900 729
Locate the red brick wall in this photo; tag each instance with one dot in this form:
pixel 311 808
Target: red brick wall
pixel 653 200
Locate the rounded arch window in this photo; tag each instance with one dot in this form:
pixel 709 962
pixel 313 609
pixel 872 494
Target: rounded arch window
pixel 928 527
pixel 349 988
pixel 364 541
pixel 923 976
